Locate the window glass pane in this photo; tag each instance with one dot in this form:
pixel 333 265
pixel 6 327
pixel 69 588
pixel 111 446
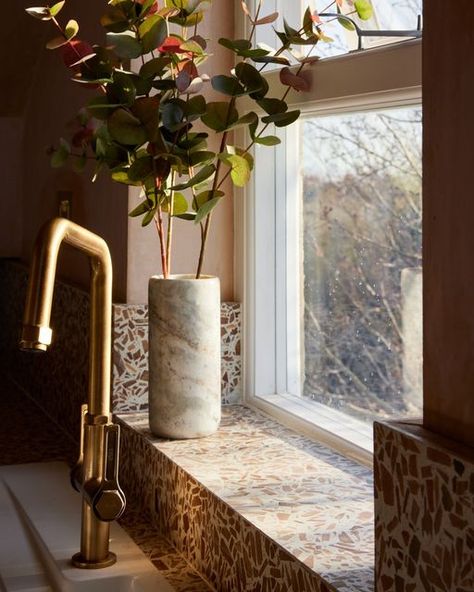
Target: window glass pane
pixel 362 321
pixel 388 15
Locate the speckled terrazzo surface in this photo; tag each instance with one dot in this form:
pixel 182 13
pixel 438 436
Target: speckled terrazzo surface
pixel 424 505
pixel 315 504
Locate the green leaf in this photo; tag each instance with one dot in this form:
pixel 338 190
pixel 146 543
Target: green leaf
pixel 72 29
pixel 346 23
pixel 250 119
pixel 206 208
pixel 227 85
pixel 237 46
pixel 61 155
pixel 40 12
pixel 126 129
pixel 114 20
pixel 148 217
pixel 141 209
pixel 147 111
pixel 205 173
pixel 180 205
pixel 125 45
pixel 240 169
pixel 155 67
pixel 363 9
pixel 172 114
pixel 140 169
pixel 282 119
pixel 56 8
pixel 121 175
pixel 201 157
pixel 219 116
pixel 122 90
pixel 250 77
pixel 153 32
pixel 192 47
pixel 99 107
pixel 272 106
pixel 268 141
pixel 271 60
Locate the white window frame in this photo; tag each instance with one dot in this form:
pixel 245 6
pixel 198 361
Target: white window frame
pixel 380 78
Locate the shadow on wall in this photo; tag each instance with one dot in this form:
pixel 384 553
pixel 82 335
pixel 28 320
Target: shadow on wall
pixel 39 108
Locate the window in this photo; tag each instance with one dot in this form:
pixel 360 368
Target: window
pixel 331 250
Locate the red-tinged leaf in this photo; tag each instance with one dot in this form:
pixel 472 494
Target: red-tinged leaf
pixel 152 10
pixel 168 12
pixel 188 66
pixel 316 18
pixel 171 45
pixel 339 3
pixel 298 83
pixel 245 8
pixel 266 20
pixel 83 137
pixel 74 51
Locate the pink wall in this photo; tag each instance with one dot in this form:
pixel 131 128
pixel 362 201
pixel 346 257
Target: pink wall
pixel 102 207
pixel 143 247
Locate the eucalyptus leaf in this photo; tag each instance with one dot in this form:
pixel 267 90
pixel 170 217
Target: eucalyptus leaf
pixel 206 209
pixel 126 129
pixel 40 12
pixel 219 116
pixel 153 31
pixel 240 169
pixel 364 9
pixel 205 173
pixel 125 44
pixel 141 209
pixel 282 119
pixel 55 9
pixel 268 141
pixel 227 85
pixel 71 29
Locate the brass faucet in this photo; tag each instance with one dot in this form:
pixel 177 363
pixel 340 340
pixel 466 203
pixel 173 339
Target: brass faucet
pixel 96 472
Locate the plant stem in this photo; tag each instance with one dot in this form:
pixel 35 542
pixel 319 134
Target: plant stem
pixel 169 236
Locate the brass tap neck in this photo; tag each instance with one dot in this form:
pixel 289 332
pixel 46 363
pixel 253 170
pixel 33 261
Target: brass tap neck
pixel 36 321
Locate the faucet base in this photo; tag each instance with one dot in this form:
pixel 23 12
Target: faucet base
pixel 78 560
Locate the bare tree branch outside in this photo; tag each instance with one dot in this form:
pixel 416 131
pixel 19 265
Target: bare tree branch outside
pixel 362 262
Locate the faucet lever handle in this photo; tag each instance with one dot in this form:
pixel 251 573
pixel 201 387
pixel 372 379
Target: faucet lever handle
pixel 109 500
pixel 76 471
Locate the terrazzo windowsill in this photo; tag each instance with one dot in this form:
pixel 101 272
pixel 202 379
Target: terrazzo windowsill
pixel 310 502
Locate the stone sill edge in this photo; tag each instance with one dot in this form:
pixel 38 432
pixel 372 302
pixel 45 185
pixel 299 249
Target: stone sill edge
pixel 121 418
pixel 414 428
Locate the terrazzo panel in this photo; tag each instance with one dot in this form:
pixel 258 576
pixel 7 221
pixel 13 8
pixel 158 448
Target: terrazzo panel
pixel 424 511
pixel 130 356
pixel 255 506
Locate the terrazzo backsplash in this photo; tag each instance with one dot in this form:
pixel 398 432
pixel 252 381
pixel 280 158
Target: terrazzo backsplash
pixel 424 511
pixel 61 387
pixel 130 356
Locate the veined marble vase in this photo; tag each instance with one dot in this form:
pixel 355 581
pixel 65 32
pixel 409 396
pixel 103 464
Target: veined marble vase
pixel 184 356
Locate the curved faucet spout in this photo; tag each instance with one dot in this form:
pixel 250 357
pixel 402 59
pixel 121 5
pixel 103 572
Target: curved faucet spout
pixel 37 334
pixel 96 474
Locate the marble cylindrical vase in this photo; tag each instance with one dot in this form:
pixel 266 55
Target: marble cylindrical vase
pixel 184 356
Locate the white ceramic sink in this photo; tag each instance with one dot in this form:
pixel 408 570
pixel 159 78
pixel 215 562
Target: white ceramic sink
pixel 39 532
